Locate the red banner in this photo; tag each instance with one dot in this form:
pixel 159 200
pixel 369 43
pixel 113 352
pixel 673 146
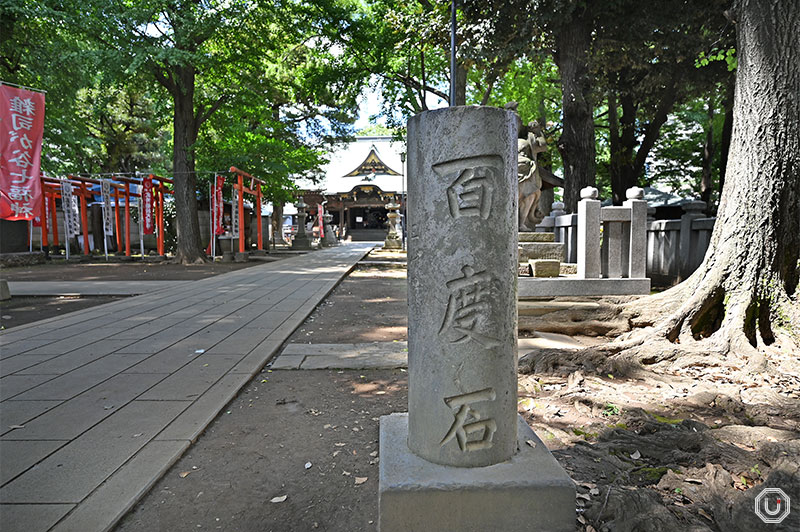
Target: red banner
pixel 320 212
pixel 21 127
pixel 147 206
pixel 219 206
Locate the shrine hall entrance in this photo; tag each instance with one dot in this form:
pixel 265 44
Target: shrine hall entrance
pixel 367 218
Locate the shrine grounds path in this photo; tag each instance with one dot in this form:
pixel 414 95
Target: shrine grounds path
pixel 97 404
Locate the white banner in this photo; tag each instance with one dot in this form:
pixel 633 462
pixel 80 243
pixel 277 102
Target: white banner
pixel 108 220
pixel 69 204
pixel 235 214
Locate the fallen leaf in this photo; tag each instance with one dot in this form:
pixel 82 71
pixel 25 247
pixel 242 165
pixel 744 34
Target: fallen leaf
pixel 278 499
pixel 373 454
pixel 360 480
pixel 583 496
pixel 527 404
pixel 590 528
pixel 326 426
pixel 704 514
pixel 531 443
pixel 184 474
pixel 594 491
pixel 693 480
pixel 346 473
pixel 581 519
pixel 340 444
pixel 636 455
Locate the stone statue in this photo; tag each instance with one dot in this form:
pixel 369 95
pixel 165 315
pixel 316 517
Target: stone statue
pixel 531 143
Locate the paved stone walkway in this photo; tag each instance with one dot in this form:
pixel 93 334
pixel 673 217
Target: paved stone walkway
pixel 96 405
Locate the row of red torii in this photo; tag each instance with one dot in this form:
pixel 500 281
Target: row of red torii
pixel 121 189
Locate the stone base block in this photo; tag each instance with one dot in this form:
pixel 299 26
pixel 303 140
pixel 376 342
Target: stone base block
pixel 392 243
pixel 227 256
pixel 542 250
pixel 258 253
pixel 301 243
pixel 528 236
pixel 242 257
pixel 530 492
pixel 5 294
pixel 571 286
pixel 545 267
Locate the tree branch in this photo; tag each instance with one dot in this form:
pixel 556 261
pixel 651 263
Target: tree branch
pixel 651 135
pixel 210 110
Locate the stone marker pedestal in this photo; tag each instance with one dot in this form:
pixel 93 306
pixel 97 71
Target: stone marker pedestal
pixel 459 460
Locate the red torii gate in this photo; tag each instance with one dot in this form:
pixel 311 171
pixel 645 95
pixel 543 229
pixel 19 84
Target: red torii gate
pixel 51 189
pixel 254 189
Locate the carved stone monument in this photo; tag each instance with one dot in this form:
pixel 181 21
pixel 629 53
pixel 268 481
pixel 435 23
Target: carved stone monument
pixel 301 240
pixel 393 240
pixel 459 459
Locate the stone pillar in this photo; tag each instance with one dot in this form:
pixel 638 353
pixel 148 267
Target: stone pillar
pixel 462 272
pixel 330 237
pixel 393 240
pixel 637 249
pixel 301 240
pixel 459 459
pixel 589 234
pixel 691 211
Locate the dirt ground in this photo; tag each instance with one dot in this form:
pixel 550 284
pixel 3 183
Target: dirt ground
pixel 21 310
pixel 305 439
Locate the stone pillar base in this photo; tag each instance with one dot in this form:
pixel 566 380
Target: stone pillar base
pixel 242 257
pixel 393 243
pixel 302 243
pixel 530 492
pixel 4 292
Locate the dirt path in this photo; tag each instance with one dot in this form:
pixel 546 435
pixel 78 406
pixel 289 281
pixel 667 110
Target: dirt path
pixel 308 436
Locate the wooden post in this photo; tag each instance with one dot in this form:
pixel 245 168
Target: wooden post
pixel 240 186
pixel 160 217
pixel 45 243
pixel 259 229
pixel 54 217
pixel 116 217
pixel 127 219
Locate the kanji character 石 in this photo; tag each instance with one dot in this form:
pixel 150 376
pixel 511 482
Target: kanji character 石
pixel 468 421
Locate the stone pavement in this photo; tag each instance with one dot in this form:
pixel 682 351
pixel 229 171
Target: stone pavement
pixel 89 288
pixel 96 405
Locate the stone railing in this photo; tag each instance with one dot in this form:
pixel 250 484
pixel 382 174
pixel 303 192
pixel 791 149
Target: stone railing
pixel 675 248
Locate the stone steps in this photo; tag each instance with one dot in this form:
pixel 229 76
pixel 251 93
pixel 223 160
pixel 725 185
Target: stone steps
pixel 542 250
pixel 527 236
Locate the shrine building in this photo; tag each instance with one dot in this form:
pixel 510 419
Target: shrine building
pixel 361 178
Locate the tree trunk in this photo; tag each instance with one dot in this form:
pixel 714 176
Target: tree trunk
pixel 743 296
pixel 576 144
pixel 727 129
pixel 185 129
pixel 708 157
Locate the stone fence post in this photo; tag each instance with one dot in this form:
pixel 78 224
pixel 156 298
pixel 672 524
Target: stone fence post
pixel 691 211
pixel 589 234
pixel 637 261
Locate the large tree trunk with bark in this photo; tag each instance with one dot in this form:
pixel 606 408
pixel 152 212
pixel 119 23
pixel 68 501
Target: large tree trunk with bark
pixel 576 144
pixel 743 297
pixel 185 129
